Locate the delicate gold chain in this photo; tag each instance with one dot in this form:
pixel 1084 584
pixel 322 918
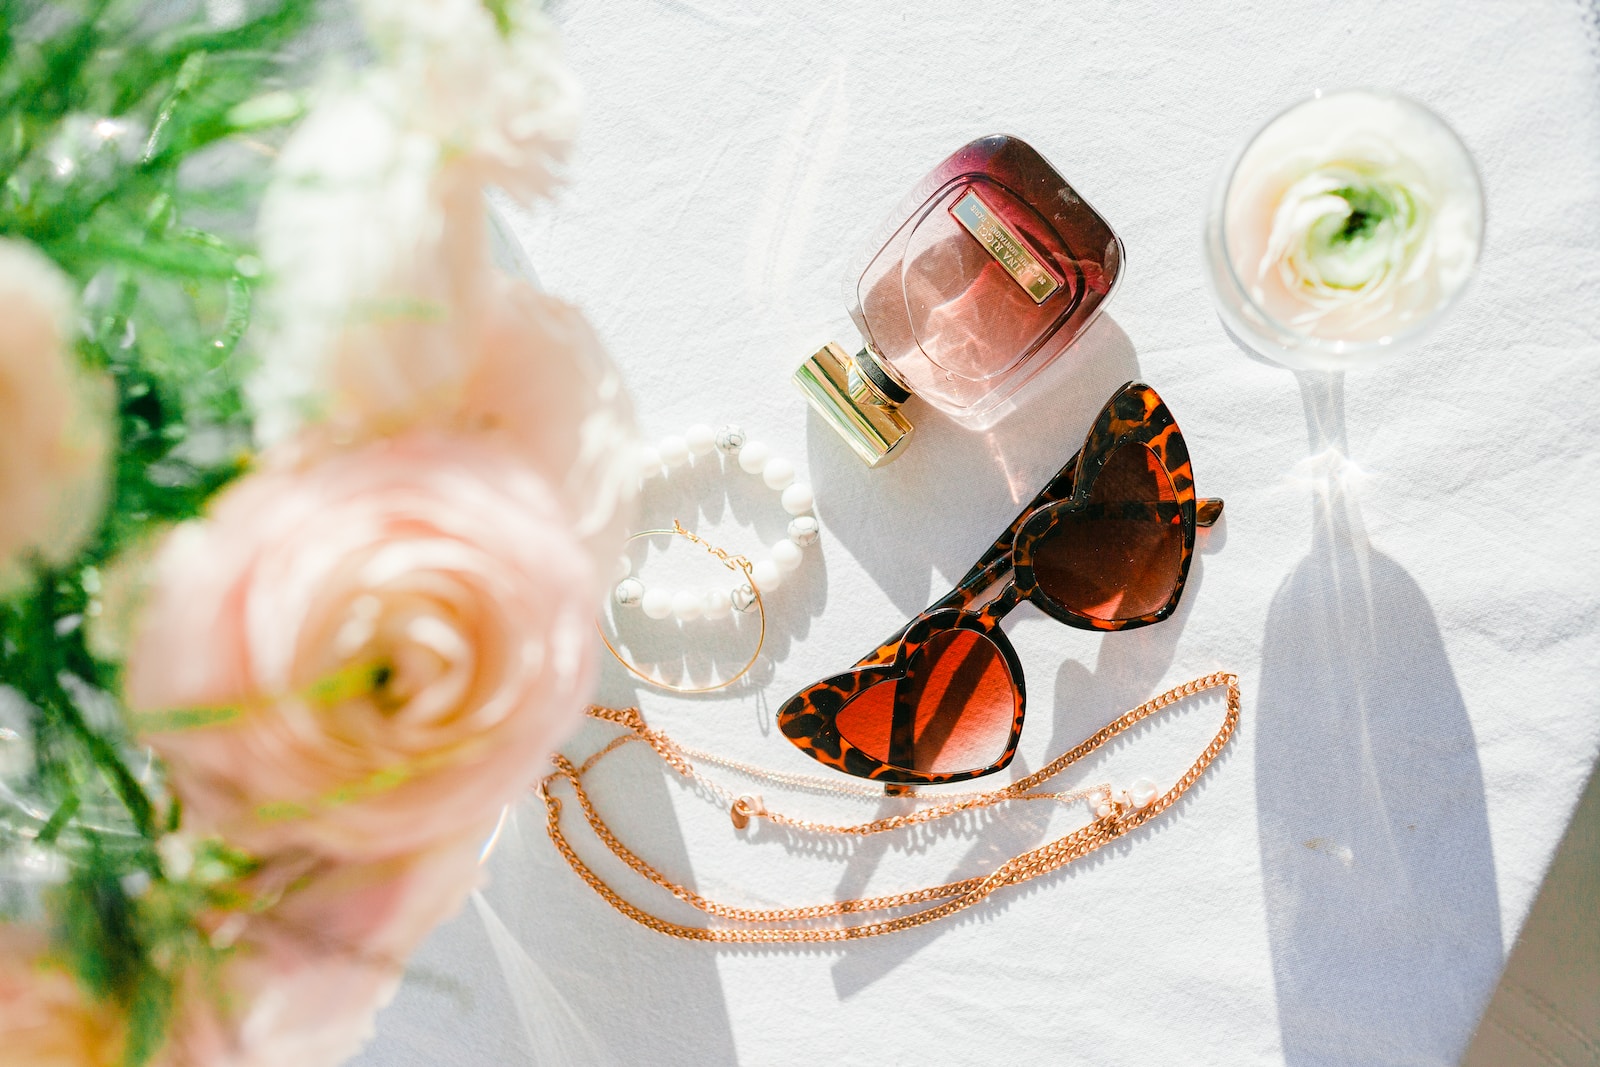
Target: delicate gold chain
pixel 815 784
pixel 744 806
pixel 777 924
pixel 741 562
pixel 735 563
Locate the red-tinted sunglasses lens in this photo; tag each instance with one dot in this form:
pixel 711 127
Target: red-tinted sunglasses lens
pixel 957 703
pixel 1120 557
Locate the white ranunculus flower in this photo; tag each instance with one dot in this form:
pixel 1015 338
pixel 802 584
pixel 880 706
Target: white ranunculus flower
pixel 373 230
pixel 375 264
pixel 492 89
pixel 383 311
pixel 1353 218
pixel 55 417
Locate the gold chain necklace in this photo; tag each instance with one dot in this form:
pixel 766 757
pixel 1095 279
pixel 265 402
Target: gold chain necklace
pixel 1114 818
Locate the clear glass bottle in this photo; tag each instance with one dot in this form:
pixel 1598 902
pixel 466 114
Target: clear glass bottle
pixel 988 270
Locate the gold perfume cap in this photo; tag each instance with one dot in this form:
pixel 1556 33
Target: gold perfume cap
pixel 848 399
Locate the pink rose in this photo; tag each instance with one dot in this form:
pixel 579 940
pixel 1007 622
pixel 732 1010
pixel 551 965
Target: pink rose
pixel 44 1019
pixel 513 364
pixel 542 383
pixel 53 450
pixel 305 976
pixel 367 656
pixel 531 374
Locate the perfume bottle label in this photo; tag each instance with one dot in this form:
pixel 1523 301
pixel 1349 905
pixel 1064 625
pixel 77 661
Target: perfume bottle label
pixel 998 240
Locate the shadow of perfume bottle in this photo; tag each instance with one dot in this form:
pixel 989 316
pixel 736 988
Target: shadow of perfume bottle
pixel 941 504
pixel 1383 915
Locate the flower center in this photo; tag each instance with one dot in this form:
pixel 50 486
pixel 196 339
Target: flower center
pixel 1361 233
pixel 1342 233
pixel 383 695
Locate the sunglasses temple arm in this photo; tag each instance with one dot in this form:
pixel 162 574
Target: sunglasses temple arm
pixel 1207 510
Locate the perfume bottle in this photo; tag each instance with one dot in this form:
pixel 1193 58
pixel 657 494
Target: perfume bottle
pixel 988 270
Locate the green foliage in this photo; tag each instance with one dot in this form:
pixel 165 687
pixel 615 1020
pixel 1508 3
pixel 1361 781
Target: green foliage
pixel 500 11
pixel 131 154
pixel 1370 207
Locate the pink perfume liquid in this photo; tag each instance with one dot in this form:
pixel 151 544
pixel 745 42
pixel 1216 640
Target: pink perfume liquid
pixel 994 266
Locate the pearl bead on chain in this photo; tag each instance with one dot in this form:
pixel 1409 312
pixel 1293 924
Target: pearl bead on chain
pixel 1140 794
pixel 785 556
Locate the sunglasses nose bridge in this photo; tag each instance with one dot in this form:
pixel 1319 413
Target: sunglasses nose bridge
pixel 1007 596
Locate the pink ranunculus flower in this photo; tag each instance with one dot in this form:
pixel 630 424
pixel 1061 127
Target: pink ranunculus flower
pixel 305 975
pixel 364 656
pixel 542 383
pixel 55 417
pixel 45 1020
pixel 531 374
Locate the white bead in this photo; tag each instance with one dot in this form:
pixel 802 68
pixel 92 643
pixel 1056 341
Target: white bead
pixel 674 450
pixel 629 592
pixel 649 462
pixel 753 457
pixel 803 530
pixel 623 568
pixel 1144 792
pixel 700 438
pixel 730 439
pixel 718 604
pixel 766 576
pixel 657 603
pixel 787 555
pixel 687 604
pixel 778 473
pixel 798 498
pixel 1102 810
pixel 744 598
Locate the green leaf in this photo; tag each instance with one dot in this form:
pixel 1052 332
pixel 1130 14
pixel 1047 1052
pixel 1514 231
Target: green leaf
pixel 500 10
pixel 52 829
pixel 266 110
pixel 115 160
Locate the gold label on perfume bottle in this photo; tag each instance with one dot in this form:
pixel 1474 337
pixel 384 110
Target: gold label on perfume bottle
pixel 1009 251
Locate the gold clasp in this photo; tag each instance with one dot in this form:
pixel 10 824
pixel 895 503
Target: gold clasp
pixel 729 560
pixel 746 806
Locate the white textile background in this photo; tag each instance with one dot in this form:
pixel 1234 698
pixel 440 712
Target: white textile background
pixel 1405 579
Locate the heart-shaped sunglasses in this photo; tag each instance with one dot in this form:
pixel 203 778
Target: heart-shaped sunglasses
pixel 1104 546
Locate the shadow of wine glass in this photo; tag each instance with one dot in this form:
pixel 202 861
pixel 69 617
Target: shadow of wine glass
pixel 1382 909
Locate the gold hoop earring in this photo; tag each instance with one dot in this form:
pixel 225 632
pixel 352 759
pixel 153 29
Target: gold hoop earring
pixel 737 564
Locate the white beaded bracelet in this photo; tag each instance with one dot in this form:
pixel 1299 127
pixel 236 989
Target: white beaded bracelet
pixel 767 574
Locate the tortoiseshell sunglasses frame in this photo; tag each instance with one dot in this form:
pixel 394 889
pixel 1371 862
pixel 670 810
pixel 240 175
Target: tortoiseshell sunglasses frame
pixel 1135 415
